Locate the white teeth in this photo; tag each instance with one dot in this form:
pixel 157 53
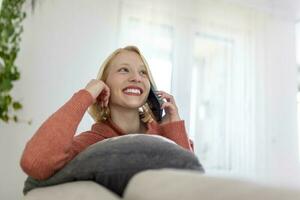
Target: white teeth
pixel 135 91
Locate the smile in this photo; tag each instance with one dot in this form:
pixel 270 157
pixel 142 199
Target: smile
pixel 134 91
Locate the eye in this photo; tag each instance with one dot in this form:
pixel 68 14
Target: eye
pixel 123 69
pixel 144 72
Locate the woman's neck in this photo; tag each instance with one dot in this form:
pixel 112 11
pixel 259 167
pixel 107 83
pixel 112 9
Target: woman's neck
pixel 127 119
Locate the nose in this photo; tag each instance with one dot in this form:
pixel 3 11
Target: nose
pixel 135 77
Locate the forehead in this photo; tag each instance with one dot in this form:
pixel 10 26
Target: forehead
pixel 127 57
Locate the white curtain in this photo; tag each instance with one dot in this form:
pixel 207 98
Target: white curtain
pixel 298 80
pixel 226 81
pixel 153 34
pixel 214 58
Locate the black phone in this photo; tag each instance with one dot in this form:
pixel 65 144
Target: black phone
pixel 155 102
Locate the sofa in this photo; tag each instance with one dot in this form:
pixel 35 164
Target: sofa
pixel 143 167
pixel 167 184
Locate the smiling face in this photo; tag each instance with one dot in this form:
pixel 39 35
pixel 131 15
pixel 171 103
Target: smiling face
pixel 128 80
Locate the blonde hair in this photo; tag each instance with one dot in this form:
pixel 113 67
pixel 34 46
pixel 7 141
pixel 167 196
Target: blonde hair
pixel 102 114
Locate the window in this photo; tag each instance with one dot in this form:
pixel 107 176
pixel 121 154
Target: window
pixel 212 58
pixel 155 41
pixel 212 65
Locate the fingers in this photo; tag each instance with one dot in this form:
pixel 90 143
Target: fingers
pixel 168 106
pixel 166 96
pixel 102 92
pixel 171 112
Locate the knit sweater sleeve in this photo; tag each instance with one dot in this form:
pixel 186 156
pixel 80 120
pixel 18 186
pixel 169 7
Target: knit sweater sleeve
pixel 176 131
pixel 53 144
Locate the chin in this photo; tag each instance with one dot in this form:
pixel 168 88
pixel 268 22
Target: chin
pixel 134 104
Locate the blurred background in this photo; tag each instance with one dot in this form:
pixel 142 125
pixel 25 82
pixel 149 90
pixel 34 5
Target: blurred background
pixel 233 67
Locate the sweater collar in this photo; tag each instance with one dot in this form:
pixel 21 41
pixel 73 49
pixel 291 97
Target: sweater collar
pixel 109 129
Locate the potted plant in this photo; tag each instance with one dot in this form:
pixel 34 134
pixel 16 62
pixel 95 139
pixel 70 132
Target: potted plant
pixel 11 17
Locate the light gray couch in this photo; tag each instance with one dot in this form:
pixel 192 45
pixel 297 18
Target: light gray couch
pixel 167 184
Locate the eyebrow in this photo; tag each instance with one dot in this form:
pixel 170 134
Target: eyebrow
pixel 127 64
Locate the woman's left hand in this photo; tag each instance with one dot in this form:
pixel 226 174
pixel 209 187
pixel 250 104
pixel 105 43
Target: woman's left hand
pixel 171 111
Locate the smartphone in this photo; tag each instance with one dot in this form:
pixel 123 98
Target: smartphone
pixel 155 102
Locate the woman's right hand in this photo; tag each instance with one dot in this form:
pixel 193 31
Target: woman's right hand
pixel 99 91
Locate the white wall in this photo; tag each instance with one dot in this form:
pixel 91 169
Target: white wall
pixel 62 48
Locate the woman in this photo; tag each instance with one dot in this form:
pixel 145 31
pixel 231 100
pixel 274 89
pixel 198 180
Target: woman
pixel 113 100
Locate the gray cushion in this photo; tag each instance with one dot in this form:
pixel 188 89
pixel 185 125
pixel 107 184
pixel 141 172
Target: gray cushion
pixel 112 162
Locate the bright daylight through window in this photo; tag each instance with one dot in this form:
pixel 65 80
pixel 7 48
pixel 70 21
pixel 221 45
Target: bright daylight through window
pixel 298 67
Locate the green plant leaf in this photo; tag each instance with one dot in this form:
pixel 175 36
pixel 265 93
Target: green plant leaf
pixel 16 105
pixel 7 99
pixel 11 17
pixel 4 117
pixel 6 85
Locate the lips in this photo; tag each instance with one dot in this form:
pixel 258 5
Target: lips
pixel 133 90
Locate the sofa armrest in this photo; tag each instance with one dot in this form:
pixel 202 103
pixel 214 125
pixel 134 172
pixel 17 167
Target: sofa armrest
pixel 79 190
pixel 175 184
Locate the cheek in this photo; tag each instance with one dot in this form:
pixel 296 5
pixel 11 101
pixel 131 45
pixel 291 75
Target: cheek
pixel 147 90
pixel 147 87
pixel 112 83
pixel 146 82
pixel 114 96
pixel 115 92
pixel 146 93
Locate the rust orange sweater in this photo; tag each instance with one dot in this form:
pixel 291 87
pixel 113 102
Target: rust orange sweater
pixel 55 144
